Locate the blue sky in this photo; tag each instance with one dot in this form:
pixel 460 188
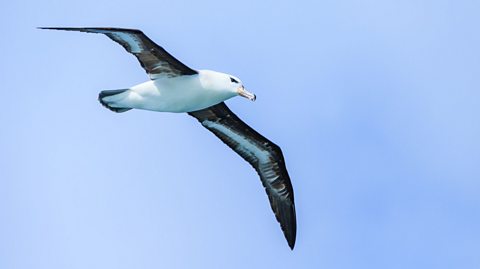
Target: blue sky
pixel 375 104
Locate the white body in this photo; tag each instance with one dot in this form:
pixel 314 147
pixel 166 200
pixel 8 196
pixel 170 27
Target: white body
pixel 177 94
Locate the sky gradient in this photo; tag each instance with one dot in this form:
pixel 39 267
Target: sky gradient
pixel 375 105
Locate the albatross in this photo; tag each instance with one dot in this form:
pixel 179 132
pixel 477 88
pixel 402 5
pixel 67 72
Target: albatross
pixel 174 87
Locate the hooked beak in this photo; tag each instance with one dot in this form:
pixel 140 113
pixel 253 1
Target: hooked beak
pixel 244 93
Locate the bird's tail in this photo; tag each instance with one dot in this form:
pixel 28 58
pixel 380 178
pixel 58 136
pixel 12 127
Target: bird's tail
pixel 110 98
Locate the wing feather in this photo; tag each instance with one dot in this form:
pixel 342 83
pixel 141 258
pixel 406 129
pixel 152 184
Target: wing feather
pixel 156 61
pixel 262 154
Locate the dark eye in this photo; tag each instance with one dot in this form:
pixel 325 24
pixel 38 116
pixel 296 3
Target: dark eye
pixel 233 80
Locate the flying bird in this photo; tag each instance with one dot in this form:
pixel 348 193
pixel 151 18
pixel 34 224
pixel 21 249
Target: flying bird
pixel 174 87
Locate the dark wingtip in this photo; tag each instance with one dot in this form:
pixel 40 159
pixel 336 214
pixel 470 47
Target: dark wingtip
pixel 59 28
pixel 291 243
pixel 90 29
pixel 288 222
pixel 291 238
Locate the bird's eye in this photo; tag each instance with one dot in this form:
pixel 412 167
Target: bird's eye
pixel 233 80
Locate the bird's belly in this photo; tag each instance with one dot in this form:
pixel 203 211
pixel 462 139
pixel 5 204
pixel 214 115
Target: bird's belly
pixel 183 97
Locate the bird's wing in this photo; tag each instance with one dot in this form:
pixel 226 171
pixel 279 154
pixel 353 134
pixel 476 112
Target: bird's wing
pixel 153 58
pixel 262 154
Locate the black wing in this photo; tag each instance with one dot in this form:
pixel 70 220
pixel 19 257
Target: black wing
pixel 262 154
pixel 153 58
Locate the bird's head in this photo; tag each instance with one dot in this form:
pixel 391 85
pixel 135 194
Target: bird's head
pixel 237 85
pixel 228 84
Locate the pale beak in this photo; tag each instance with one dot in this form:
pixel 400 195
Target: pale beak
pixel 244 93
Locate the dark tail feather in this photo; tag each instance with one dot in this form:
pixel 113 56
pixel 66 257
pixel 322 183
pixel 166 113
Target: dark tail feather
pixel 106 104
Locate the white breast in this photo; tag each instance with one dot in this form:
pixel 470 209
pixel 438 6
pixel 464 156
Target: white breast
pixel 177 94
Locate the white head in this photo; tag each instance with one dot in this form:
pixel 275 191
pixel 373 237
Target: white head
pixel 228 84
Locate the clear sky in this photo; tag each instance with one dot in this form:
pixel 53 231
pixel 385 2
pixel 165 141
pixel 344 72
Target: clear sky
pixel 376 106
